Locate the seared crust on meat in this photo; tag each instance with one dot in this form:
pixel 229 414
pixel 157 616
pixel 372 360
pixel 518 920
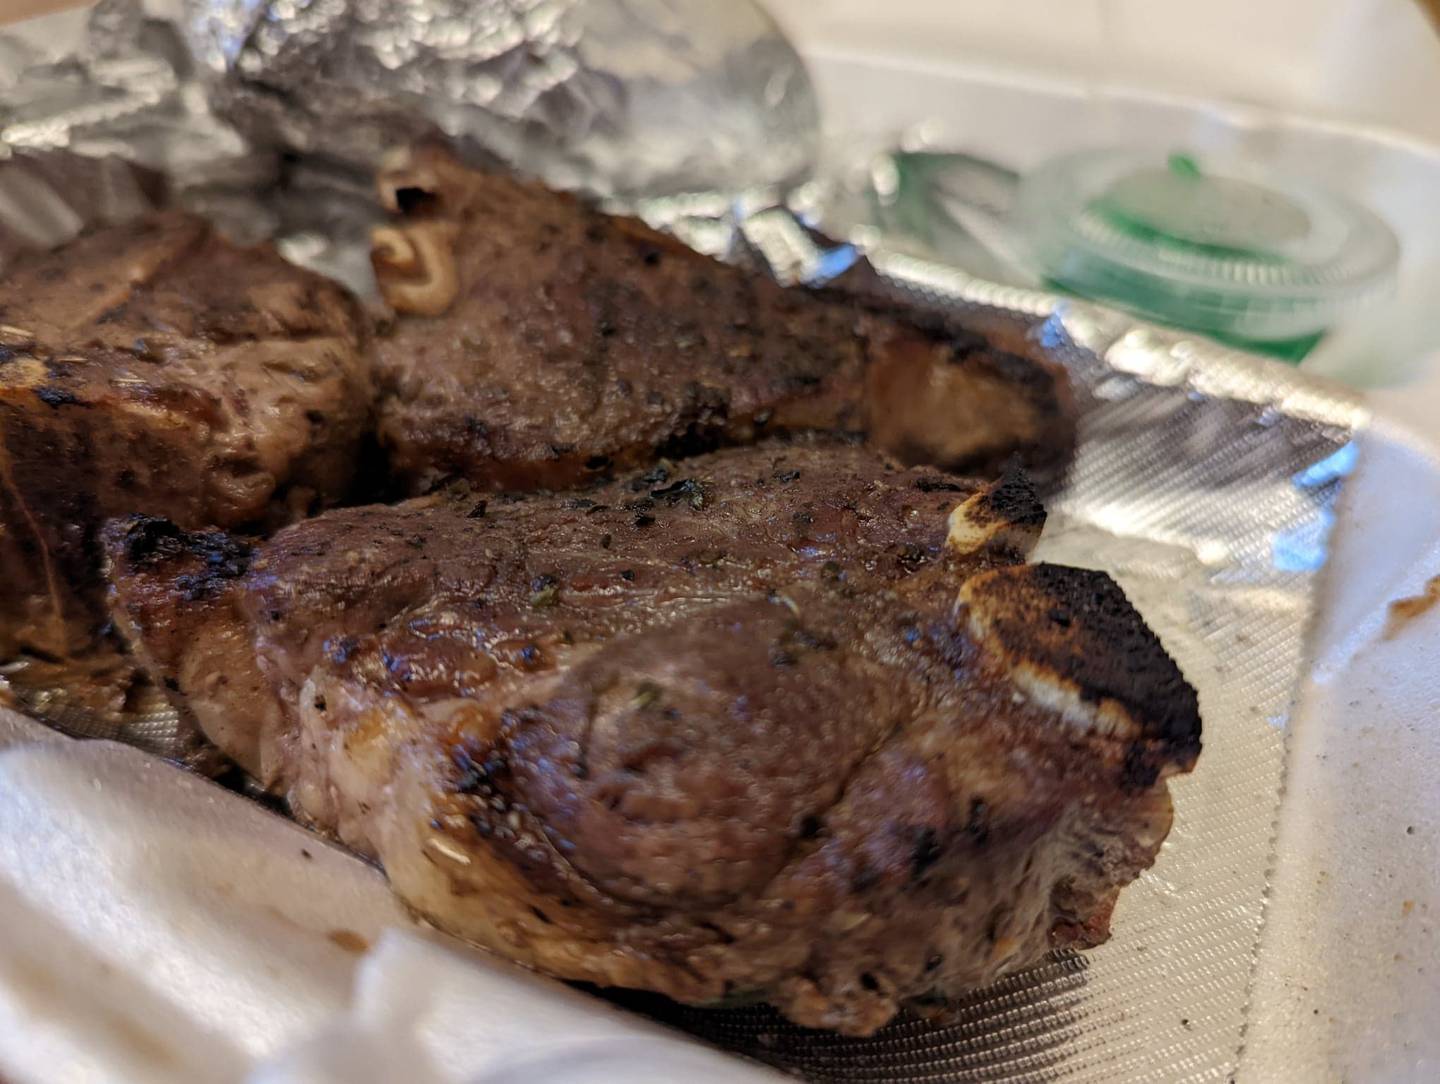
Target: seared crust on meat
pixel 1005 516
pixel 752 723
pixel 154 367
pixel 544 344
pixel 1076 627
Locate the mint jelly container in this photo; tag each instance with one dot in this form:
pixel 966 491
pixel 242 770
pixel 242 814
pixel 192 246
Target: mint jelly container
pixel 1264 262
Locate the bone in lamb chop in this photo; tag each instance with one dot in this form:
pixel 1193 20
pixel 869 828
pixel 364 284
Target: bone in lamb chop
pixel 154 367
pixel 777 721
pixel 544 344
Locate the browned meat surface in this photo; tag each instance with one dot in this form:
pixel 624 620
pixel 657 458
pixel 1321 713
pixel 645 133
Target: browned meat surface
pixel 547 344
pixel 771 721
pixel 156 368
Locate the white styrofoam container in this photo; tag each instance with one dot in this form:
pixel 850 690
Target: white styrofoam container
pixel 156 928
pixel 1363 61
pixel 1348 982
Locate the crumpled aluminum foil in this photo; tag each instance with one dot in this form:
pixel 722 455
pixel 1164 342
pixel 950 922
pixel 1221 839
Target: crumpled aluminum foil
pixel 1206 480
pixel 616 96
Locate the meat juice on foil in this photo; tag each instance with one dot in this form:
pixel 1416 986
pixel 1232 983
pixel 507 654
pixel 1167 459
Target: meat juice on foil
pixel 1205 482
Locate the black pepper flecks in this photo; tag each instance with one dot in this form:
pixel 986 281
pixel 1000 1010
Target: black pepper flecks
pixel 977 827
pixel 925 851
pixel 55 398
pixel 338 649
pixel 686 489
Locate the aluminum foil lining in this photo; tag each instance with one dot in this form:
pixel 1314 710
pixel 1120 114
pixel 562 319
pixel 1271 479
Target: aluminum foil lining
pixel 1205 482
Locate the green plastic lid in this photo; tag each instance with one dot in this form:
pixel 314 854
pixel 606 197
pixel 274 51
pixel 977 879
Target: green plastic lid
pixel 1215 247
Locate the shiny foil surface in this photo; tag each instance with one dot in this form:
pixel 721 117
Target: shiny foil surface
pixel 1206 480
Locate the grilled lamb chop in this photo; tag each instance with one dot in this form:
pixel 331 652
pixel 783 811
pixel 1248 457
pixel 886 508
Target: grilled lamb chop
pixel 774 721
pixel 545 344
pixel 154 367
